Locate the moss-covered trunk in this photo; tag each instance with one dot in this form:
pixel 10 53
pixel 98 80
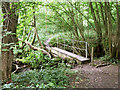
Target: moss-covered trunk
pixel 9 26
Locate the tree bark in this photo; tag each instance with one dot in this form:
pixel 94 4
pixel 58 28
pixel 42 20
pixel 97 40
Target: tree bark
pixel 118 31
pixel 104 20
pixel 99 46
pixel 9 25
pixel 109 29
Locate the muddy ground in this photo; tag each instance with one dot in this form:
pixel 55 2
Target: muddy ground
pixel 91 77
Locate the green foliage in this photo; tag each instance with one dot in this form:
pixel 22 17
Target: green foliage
pixel 108 58
pixel 46 78
pixel 8 33
pixel 15 50
pixel 37 60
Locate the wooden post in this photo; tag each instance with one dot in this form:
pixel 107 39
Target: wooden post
pixel 86 49
pixel 92 55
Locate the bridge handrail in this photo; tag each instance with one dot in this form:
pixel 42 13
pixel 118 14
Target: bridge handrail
pixel 85 49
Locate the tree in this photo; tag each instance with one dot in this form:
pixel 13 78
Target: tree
pixel 8 37
pixel 102 21
pixel 96 19
pixel 118 31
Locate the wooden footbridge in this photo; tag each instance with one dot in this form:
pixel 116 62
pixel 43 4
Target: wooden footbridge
pixel 62 53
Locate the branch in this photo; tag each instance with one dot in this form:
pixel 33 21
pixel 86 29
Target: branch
pixel 35 48
pixel 82 15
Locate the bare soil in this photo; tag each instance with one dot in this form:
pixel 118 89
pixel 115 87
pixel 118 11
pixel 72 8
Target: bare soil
pixel 92 77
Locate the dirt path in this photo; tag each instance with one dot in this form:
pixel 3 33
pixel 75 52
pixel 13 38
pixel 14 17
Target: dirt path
pixel 92 77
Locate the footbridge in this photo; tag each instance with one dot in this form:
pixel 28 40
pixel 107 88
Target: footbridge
pixel 66 51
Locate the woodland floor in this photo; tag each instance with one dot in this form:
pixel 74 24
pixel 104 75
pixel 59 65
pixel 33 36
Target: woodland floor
pixel 88 76
pixel 92 77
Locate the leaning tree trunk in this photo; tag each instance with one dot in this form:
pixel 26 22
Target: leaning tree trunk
pixel 8 38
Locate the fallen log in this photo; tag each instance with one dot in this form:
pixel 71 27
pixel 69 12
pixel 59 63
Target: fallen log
pixel 35 48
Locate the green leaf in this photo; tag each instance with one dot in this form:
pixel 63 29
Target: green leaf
pixel 5 49
pixel 51 84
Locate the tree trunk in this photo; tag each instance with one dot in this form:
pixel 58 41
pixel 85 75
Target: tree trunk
pixel 9 25
pixel 109 29
pixel 118 31
pixel 104 20
pixel 99 46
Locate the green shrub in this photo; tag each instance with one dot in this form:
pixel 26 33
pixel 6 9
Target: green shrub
pixel 37 60
pixel 108 58
pixel 105 58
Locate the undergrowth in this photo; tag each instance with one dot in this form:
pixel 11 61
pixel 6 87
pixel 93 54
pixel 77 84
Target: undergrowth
pixel 44 78
pixel 37 59
pixel 109 59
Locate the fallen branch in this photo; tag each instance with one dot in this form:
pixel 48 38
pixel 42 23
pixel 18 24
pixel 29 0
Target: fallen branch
pixel 35 48
pixel 18 68
pixel 102 65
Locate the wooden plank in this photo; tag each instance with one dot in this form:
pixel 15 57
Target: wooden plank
pixel 61 55
pixel 59 51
